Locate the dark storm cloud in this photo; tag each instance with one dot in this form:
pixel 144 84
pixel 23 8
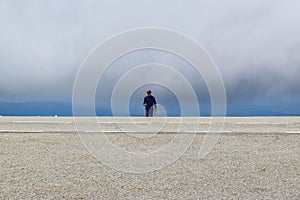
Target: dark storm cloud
pixel 255 44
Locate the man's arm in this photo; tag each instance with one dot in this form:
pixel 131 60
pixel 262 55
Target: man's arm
pixel 154 103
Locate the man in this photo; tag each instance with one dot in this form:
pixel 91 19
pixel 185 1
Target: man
pixel 150 104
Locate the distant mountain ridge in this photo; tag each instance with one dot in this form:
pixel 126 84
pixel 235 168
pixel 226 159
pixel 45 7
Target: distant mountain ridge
pixel 35 108
pixel 65 109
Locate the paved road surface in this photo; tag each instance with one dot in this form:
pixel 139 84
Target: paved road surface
pixel 254 158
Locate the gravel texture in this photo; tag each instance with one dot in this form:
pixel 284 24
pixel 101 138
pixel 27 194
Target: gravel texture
pixel 44 158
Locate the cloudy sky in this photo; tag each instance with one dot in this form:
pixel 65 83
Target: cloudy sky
pixel 255 44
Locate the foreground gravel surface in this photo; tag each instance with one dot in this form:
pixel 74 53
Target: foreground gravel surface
pixel 255 161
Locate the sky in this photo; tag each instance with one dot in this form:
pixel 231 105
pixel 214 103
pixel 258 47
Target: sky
pixel 255 44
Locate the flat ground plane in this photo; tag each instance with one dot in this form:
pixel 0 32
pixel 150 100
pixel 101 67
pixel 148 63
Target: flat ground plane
pixel 46 157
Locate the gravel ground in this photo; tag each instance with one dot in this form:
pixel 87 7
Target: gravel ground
pixel 44 158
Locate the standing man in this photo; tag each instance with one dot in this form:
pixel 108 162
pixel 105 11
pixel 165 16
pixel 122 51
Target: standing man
pixel 150 104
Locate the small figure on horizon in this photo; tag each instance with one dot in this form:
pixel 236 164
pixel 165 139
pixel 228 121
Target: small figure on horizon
pixel 150 104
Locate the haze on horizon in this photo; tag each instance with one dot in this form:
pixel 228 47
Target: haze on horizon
pixel 255 44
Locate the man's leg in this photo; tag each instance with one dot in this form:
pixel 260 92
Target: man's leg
pixel 147 112
pixel 151 112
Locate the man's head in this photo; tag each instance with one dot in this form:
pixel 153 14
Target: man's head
pixel 149 92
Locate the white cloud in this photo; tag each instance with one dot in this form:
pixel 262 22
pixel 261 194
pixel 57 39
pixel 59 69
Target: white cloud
pixel 256 43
